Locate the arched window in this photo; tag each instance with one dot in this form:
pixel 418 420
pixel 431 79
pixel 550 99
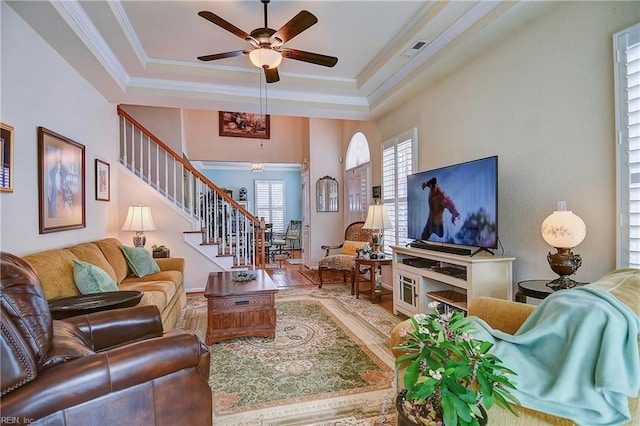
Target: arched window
pixel 356 178
pixel 357 152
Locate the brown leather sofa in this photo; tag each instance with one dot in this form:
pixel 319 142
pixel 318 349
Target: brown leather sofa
pixel 106 368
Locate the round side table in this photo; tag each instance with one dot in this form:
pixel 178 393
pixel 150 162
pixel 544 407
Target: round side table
pixel 537 289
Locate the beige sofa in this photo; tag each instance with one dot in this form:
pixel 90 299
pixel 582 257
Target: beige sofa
pixel 164 289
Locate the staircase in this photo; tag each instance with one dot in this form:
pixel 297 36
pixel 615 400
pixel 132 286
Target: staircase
pixel 225 230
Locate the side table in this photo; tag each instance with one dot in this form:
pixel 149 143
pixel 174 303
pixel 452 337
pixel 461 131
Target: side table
pixel 374 265
pixel 537 289
pixel 66 307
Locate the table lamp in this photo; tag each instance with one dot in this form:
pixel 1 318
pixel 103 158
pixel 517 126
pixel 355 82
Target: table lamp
pixel 377 220
pixel 139 220
pixel 563 230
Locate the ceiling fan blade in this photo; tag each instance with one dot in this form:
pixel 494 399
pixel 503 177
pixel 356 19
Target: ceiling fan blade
pixel 295 26
pixel 222 55
pixel 271 75
pixel 210 16
pixel 312 58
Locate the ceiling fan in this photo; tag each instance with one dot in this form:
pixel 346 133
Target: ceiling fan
pixel 268 44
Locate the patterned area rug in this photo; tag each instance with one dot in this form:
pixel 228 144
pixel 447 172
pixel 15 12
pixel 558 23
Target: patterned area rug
pixel 330 363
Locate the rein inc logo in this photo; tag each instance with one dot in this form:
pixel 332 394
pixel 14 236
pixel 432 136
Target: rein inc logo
pixel 14 420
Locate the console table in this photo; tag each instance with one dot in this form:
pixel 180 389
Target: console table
pixel 423 276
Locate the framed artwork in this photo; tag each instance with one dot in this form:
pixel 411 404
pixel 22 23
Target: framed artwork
pixel 6 158
pixel 103 181
pixel 61 183
pixel 244 125
pixel 375 191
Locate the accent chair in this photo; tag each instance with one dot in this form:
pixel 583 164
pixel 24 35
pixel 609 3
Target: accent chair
pixel 345 261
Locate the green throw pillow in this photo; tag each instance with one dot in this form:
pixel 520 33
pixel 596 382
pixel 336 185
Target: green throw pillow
pixel 91 279
pixel 140 261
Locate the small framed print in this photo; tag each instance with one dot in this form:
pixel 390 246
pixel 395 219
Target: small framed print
pixel 61 182
pixel 6 158
pixel 103 181
pixel 375 191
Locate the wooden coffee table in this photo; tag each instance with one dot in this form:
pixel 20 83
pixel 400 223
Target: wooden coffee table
pixel 240 309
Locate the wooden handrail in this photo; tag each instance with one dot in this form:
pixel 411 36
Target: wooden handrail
pixel 189 167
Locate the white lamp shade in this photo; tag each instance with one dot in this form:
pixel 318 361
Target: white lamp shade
pixel 265 58
pixel 563 229
pixel 139 219
pixel 377 218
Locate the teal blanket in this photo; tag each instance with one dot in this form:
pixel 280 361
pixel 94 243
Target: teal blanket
pixel 576 356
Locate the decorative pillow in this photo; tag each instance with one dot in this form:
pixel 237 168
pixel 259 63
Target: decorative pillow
pixel 349 247
pixel 91 279
pixel 140 261
pixel 68 343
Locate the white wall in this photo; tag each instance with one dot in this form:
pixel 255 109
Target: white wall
pixel 164 123
pixel 325 147
pixel 543 101
pixel 40 89
pixel 170 222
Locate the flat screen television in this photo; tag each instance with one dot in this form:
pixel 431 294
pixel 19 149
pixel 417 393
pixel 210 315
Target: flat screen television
pixel 455 206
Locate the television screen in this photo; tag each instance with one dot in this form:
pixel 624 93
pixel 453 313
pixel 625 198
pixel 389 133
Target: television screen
pixel 457 204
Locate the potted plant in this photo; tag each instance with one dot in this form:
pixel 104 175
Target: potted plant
pixel 450 376
pixel 160 251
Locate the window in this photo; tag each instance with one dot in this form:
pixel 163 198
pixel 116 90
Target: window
pixel 357 152
pixel 627 89
pixel 270 203
pixel 399 156
pixel 356 179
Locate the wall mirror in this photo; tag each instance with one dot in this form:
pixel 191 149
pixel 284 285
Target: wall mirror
pixel 327 194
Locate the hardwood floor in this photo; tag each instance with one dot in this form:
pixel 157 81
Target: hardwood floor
pixel 285 274
pixel 288 275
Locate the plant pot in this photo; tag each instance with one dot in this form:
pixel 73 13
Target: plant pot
pixel 403 419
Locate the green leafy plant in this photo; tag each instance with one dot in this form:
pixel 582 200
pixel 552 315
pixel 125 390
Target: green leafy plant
pixel 449 374
pixel 161 248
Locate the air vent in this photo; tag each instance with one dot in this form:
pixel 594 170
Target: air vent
pixel 415 48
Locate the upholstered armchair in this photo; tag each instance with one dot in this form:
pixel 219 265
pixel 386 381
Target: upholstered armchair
pixel 110 367
pixel 345 261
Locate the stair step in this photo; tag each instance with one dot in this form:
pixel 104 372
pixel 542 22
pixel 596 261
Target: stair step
pixel 243 266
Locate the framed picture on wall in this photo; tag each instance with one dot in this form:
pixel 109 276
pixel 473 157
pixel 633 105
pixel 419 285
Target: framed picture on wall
pixel 6 158
pixel 103 181
pixel 61 182
pixel 375 191
pixel 244 125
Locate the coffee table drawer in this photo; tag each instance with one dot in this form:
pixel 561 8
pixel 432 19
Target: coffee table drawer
pixel 234 303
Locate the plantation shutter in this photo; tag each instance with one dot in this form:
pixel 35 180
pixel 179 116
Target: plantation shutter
pixel 627 81
pixel 398 161
pixel 356 194
pixel 270 203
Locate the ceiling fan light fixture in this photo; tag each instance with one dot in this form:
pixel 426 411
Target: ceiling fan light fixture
pixel 265 58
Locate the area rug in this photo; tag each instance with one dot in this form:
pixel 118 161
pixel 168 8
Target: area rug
pixel 330 363
pixel 328 277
